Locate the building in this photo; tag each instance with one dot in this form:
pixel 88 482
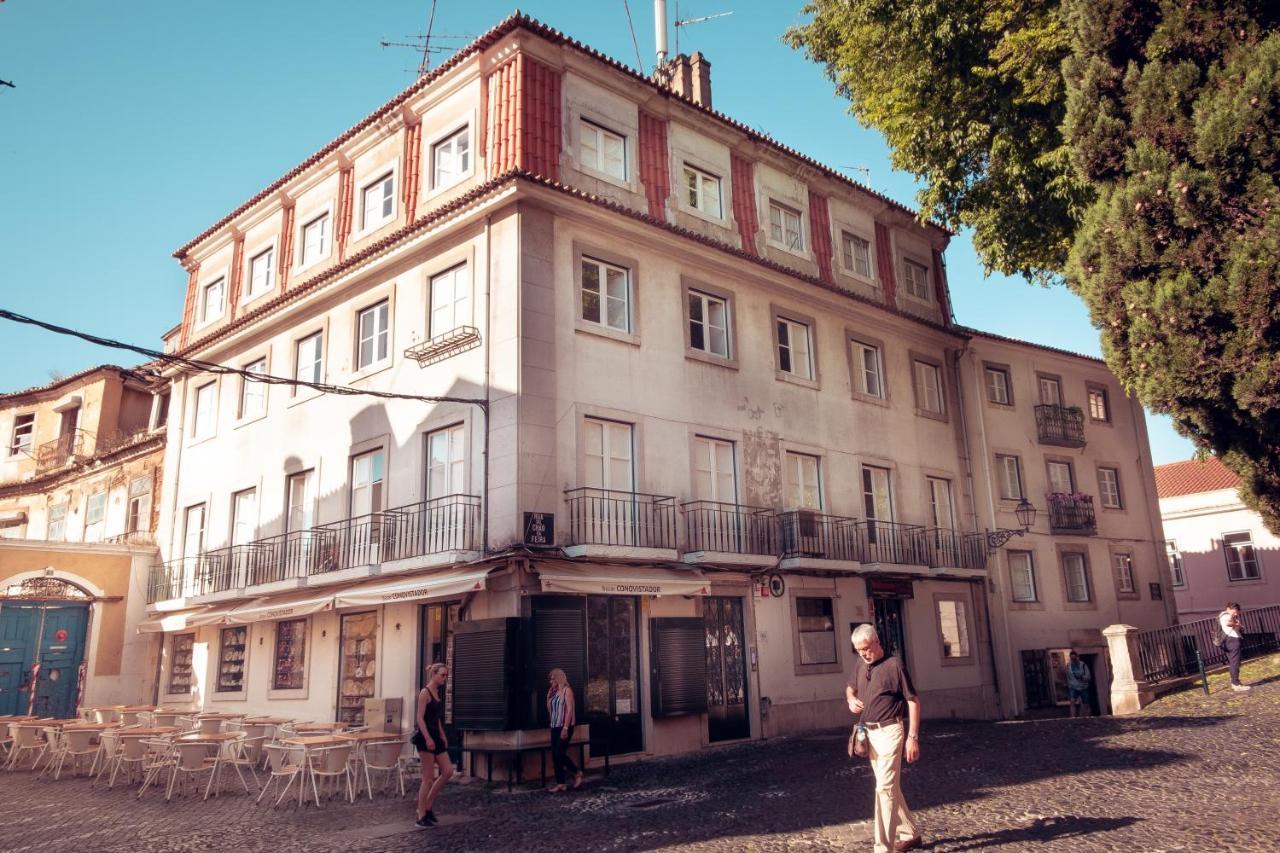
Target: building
pixel 81 465
pixel 678 408
pixel 1219 550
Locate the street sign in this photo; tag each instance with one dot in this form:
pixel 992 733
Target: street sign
pixel 539 528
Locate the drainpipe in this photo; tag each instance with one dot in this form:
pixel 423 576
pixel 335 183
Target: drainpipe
pixel 178 403
pixel 484 410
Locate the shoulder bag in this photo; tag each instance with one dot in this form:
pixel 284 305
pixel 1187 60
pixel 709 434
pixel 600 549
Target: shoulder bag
pixel 859 746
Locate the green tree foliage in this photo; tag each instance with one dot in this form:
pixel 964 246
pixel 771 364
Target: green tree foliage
pixel 1127 147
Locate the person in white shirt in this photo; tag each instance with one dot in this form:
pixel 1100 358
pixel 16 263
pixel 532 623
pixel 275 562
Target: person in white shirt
pixel 1233 642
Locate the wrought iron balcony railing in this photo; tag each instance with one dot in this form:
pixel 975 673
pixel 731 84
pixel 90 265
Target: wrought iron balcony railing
pixel 608 517
pixel 807 533
pixel 56 453
pixel 1062 426
pixel 1071 513
pixel 730 528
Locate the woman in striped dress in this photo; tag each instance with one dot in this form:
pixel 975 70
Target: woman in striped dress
pixel 563 712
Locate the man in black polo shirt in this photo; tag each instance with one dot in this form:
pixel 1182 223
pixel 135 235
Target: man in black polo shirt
pixel 881 691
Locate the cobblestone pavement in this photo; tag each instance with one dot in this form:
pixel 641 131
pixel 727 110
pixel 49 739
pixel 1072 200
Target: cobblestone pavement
pixel 1192 773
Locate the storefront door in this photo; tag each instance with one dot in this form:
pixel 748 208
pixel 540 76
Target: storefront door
pixel 41 650
pixel 612 706
pixel 727 717
pixel 437 647
pixel 889 625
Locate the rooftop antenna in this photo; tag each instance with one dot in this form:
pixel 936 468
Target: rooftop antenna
pixel 685 22
pixel 422 42
pixel 865 171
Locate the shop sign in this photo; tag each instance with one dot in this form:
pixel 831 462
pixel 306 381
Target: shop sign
pixel 770 586
pixel 890 588
pixel 539 528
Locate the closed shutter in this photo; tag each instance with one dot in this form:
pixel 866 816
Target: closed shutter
pixel 485 673
pixel 559 642
pixel 678 657
pixel 1035 677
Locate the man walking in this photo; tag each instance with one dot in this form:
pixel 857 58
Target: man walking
pixel 881 691
pixel 1233 644
pixel 1077 685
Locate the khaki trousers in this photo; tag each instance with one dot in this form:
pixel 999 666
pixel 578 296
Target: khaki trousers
pixel 893 819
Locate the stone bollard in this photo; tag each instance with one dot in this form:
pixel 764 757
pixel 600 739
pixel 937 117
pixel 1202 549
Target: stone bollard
pixel 1129 692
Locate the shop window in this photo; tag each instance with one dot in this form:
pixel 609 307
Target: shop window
pixel 181 669
pixel 358 665
pixel 288 670
pixel 231 660
pixel 815 624
pixel 953 628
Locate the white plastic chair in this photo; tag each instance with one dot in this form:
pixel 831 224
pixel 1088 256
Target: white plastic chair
pixel 284 762
pixel 159 757
pixel 192 759
pixel 330 762
pixel 231 753
pixel 53 746
pixel 108 746
pixel 27 740
pixel 209 725
pixel 130 757
pixel 383 756
pixel 76 744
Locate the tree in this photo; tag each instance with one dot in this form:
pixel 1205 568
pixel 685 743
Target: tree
pixel 1125 147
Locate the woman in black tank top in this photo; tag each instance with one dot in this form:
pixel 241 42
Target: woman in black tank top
pixel 430 741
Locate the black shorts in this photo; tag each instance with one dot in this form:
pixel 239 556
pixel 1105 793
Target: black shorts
pixel 420 744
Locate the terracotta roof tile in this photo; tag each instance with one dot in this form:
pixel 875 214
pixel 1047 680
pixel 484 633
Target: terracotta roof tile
pixel 1192 477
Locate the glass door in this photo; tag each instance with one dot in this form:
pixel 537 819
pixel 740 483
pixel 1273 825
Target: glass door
pixel 727 717
pixel 437 647
pixel 612 701
pixel 890 627
pixel 357 665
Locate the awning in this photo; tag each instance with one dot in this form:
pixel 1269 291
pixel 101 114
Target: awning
pixel 170 621
pixel 13 519
pixel 282 607
pixel 416 588
pixel 622 580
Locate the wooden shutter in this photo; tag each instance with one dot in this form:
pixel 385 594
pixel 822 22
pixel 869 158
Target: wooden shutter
pixel 678 657
pixel 486 674
pixel 559 642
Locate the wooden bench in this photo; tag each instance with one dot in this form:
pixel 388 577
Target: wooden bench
pixel 515 766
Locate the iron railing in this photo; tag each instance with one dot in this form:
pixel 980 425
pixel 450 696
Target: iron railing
pixel 1062 426
pixel 54 454
pixel 892 542
pixel 449 523
pixel 609 517
pixel 947 548
pixel 807 533
pixel 1071 513
pixel 1168 653
pixel 730 528
pixel 133 537
pixel 351 542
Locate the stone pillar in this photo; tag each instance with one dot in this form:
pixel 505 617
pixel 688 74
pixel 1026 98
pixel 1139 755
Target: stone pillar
pixel 1129 692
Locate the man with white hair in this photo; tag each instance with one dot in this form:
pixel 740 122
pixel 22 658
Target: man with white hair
pixel 881 691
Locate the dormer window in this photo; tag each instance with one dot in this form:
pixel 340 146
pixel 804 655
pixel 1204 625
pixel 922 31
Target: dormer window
pixel 213 299
pixel 785 228
pixel 315 239
pixel 604 151
pixel 378 202
pixel 451 159
pixel 917 280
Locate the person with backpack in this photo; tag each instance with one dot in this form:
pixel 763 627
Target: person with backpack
pixel 1233 643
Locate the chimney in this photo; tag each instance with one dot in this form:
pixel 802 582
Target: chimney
pixel 689 77
pixel 701 68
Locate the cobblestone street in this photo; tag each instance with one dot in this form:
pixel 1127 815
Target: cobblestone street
pixel 1192 773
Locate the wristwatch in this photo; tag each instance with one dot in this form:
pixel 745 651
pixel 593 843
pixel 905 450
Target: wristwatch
pixel 913 737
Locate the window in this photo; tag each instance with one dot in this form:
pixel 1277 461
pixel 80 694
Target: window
pixel 868 373
pixel 608 455
pixel 315 239
pixel 606 294
pixel 1099 408
pixel 181 669
pixel 702 191
pixel 714 477
pixel 1109 488
pixel 373 338
pixel 1242 562
pixel 1050 390
pixel 138 511
pixel 856 254
pixel 708 323
pixel 244 517
pixel 301 508
pixel 24 427
pixel 193 531
pixel 1175 563
pixel 929 387
pixel 1076 574
pixel 212 300
pixel 877 494
pixel 95 512
pixel 261 273
pixel 253 395
pixel 231 661
pixel 1022 576
pixel 450 300
pixel 1061 479
pixel 1009 470
pixel 794 348
pixel 804 488
pixel 917 280
pixel 604 151
pixel 953 628
pixel 997 380
pixel 940 503
pixel 451 159
pixel 446 463
pixel 309 359
pixel 377 202
pixel 784 227
pixel 816 625
pixel 202 417
pixel 289 669
pixel 1123 564
pixel 57 522
pixel 366 483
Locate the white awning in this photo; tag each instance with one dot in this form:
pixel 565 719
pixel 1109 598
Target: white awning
pixel 282 607
pixel 177 621
pixel 416 588
pixel 622 580
pixel 13 519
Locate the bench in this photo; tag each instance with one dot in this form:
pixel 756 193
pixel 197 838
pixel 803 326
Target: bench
pixel 515 766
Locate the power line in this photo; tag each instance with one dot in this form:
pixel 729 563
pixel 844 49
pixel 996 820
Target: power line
pixel 223 370
pixel 631 25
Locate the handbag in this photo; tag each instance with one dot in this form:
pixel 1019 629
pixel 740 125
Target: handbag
pixel 859 745
pixel 1219 640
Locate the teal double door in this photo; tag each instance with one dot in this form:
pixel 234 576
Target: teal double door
pixel 41 649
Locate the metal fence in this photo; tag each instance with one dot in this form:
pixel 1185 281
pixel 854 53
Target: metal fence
pixel 608 517
pixel 1072 513
pixel 1060 425
pixel 730 528
pixel 806 533
pixel 1167 653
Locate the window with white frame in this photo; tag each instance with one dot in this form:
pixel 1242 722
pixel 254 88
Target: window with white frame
pixel 1109 488
pixel 855 254
pixel 1123 564
pixel 1076 574
pixel 1099 407
pixel 138 510
pixel 24 429
pixel 929 387
pixel 451 158
pixel 795 349
pixel 1175 563
pixel 57 523
pixel 608 455
pixel 940 506
pixel 997 382
pixel 916 280
pixel 261 273
pixel 1009 471
pixel 367 470
pixel 868 369
pixel 708 323
pixel 446 462
pixel 702 191
pixel 714 475
pixel 1062 479
pixel 309 359
pixel 193 531
pixel 253 395
pixel 373 335
pixel 606 294
pixel 213 300
pixel 205 410
pixel 803 481
pixel 300 495
pixel 877 493
pixel 1050 390
pixel 603 151
pixel 377 201
pixel 95 513
pixel 953 628
pixel 244 516
pixel 785 227
pixel 315 239
pixel 1242 561
pixel 816 626
pixel 450 300
pixel 1022 576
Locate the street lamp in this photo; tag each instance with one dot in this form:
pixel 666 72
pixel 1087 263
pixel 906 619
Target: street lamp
pixel 1026 514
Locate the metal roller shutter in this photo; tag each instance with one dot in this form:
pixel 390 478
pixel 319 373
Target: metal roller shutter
pixel 559 642
pixel 678 658
pixel 484 667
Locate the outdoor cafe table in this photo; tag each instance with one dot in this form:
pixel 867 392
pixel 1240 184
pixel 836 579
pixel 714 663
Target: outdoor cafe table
pixel 154 731
pixel 265 721
pixel 308 728
pixel 203 738
pixel 309 743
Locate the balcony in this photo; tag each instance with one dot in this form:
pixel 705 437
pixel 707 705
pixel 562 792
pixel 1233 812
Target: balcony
pixel 621 519
pixel 134 537
pixel 813 535
pixel 730 529
pixel 64 448
pixel 947 548
pixel 1061 426
pixel 1071 513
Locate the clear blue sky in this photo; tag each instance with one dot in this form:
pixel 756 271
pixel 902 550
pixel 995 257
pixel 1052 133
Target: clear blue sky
pixel 136 124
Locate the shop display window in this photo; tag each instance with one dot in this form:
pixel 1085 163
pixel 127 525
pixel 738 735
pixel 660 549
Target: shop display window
pixel 232 660
pixel 289 670
pixel 356 679
pixel 180 669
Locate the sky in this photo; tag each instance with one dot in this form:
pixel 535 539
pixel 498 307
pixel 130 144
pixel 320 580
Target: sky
pixel 136 124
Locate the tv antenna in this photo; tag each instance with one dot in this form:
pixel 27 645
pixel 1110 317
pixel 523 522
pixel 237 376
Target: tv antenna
pixel 425 43
pixel 865 171
pixel 686 22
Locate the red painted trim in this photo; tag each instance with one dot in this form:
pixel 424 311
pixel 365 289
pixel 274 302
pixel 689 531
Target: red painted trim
pixel 941 287
pixel 655 167
pixel 742 174
pixel 346 201
pixel 412 171
pixel 189 307
pixel 237 278
pixel 885 267
pixel 284 253
pixel 820 232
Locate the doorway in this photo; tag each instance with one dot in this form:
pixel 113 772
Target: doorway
pixel 41 653
pixel 613 674
pixel 727 717
pixel 437 647
pixel 889 626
